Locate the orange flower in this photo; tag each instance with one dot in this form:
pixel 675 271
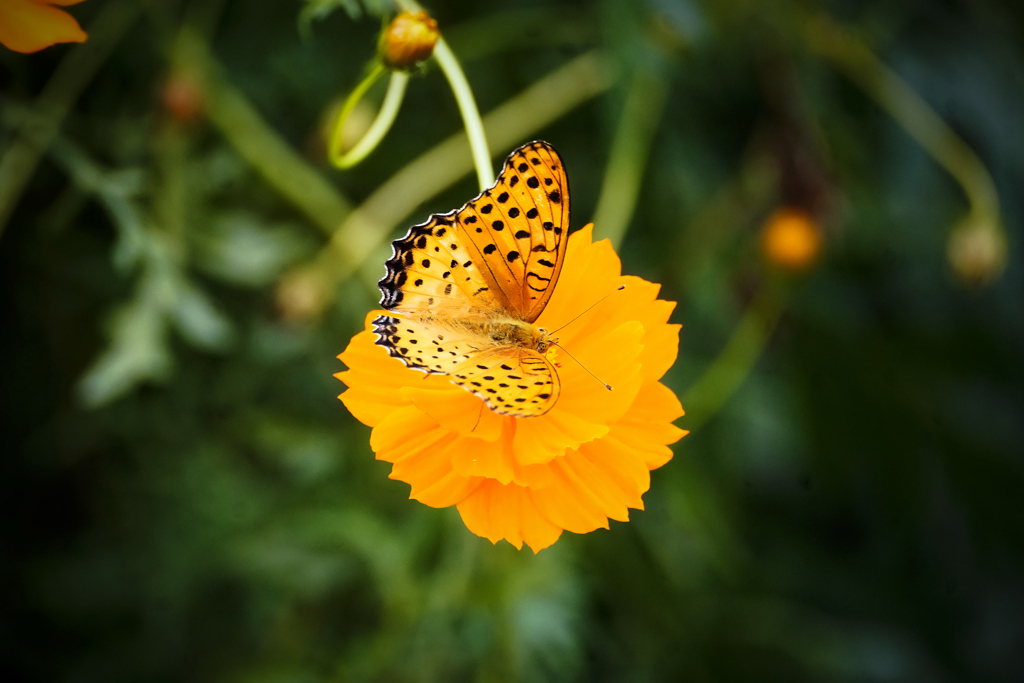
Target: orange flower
pixel 791 238
pixel 582 463
pixel 31 25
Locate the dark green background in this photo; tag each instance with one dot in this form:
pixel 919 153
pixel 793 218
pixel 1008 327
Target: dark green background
pixel 855 511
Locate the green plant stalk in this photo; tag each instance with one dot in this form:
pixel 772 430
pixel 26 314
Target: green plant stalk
pixel 727 372
pixel 467 104
pixel 854 58
pixel 75 71
pixel 630 150
pixel 470 115
pixel 259 144
pixel 381 124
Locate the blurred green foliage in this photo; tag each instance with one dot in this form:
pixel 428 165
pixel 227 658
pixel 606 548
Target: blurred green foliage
pixel 184 498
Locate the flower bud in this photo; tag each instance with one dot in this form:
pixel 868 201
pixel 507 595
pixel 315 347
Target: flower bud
pixel 182 96
pixel 302 295
pixel 408 40
pixel 977 251
pixel 791 239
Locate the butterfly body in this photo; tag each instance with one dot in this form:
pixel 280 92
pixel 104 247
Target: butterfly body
pixel 465 288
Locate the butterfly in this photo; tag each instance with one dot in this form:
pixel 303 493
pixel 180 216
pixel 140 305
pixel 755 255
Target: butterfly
pixel 465 287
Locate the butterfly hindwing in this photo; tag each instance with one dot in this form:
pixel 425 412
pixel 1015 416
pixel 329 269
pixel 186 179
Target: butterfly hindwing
pixel 513 382
pixel 422 345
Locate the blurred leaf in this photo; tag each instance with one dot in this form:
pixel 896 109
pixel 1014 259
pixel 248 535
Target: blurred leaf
pixel 305 451
pixel 137 352
pixel 317 10
pixel 241 249
pixel 199 321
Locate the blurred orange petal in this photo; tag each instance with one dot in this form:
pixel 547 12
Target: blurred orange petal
pixel 31 25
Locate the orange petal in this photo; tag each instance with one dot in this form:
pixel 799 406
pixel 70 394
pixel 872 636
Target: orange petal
pixel 451 489
pixel 621 305
pixel 647 428
pixel 404 432
pixel 661 346
pixel 375 379
pixel 539 439
pixel 624 466
pixel 495 512
pixel 613 356
pixel 590 271
pixel 613 501
pixel 569 503
pixel 638 302
pixel 493 460
pixel 434 482
pixel 456 409
pixel 27 26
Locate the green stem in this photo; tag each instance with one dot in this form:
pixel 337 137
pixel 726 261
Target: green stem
pixel 727 372
pixel 852 56
pixel 630 150
pixel 467 104
pixel 381 125
pixel 245 129
pixel 470 114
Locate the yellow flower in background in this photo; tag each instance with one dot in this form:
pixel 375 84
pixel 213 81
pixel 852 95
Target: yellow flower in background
pixel 791 239
pixel 525 480
pixel 31 25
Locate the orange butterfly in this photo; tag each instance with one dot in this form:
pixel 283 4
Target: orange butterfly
pixel 467 285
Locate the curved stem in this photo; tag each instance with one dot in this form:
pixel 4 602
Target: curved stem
pixel 467 104
pixel 470 114
pixel 245 129
pixel 631 146
pixel 852 56
pixel 381 125
pixel 373 135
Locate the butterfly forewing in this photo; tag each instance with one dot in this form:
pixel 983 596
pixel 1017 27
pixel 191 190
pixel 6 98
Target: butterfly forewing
pixel 518 228
pixel 434 268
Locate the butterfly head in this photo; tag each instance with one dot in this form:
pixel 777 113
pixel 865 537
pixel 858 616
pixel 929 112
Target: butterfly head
pixel 543 340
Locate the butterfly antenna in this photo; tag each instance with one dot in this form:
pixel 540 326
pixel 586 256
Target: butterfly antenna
pixel 606 385
pixel 587 309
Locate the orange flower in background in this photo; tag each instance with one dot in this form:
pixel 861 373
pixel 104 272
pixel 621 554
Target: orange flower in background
pixel 31 25
pixel 791 238
pixel 525 479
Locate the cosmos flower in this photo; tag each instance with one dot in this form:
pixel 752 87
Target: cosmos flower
pixel 526 480
pixel 31 25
